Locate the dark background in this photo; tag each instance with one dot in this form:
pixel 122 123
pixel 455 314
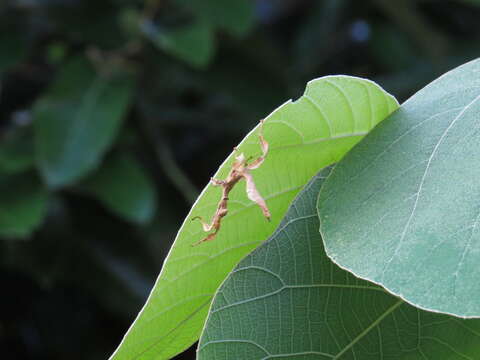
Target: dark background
pixel 78 260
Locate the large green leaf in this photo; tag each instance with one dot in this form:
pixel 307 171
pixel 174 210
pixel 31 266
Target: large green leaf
pixel 78 119
pixel 304 136
pixel 124 187
pixel 23 205
pixel 402 208
pixel 287 300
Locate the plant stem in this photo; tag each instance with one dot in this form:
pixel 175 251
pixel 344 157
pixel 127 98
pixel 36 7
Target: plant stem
pixel 167 162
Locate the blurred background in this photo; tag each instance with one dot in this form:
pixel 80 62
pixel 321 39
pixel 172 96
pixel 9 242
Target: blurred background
pixel 115 113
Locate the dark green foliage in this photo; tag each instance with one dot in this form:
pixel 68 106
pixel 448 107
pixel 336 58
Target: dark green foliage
pixel 76 125
pixel 123 186
pixel 114 112
pixel 23 202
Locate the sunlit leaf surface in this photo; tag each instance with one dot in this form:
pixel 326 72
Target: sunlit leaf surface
pixel 304 136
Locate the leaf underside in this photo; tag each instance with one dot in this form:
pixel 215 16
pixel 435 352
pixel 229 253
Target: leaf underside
pixel 287 300
pixel 304 136
pixel 402 208
pixel 23 205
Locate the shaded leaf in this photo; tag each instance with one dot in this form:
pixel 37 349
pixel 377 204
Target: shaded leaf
pixel 304 136
pixel 16 151
pixel 23 203
pixel 288 300
pixel 235 16
pixel 77 120
pixel 124 187
pixel 401 209
pixel 95 23
pixel 192 43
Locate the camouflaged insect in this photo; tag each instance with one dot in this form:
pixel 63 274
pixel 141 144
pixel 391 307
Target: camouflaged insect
pixel 240 170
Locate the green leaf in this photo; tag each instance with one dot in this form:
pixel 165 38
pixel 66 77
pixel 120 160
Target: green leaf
pixel 304 136
pixel 192 43
pixel 235 16
pixel 23 203
pixel 287 300
pixel 124 187
pixel 402 210
pixel 16 151
pixel 78 119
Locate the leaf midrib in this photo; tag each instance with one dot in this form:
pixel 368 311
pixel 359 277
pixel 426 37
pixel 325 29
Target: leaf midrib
pixel 387 312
